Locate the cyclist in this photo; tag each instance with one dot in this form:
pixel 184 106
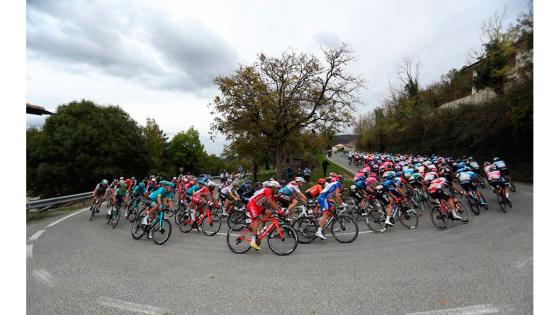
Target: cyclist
pixel 501 166
pixel 228 195
pixel 255 208
pixel 468 180
pixel 435 190
pixel 159 197
pixel 99 192
pixel 118 196
pixel 137 193
pixel 333 188
pixel 390 186
pixel 206 193
pixel 498 182
pixel 289 194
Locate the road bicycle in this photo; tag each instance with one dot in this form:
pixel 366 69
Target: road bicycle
pixel 114 214
pixel 419 200
pixel 405 215
pixel 237 215
pixel 441 214
pixel 160 228
pixel 209 222
pixel 475 202
pixel 133 210
pixel 95 207
pixel 342 226
pixel 282 239
pixel 503 201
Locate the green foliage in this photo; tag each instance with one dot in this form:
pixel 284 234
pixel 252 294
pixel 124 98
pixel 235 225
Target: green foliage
pixel 501 127
pixel 185 150
pixel 155 141
pixel 266 108
pixel 81 144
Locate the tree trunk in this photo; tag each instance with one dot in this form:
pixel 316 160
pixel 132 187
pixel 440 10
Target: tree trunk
pixel 279 162
pixel 266 165
pixel 255 170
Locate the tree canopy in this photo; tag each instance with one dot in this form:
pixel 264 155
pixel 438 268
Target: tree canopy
pixel 275 100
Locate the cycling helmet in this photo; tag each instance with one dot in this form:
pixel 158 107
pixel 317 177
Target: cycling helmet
pixel 322 181
pixel 201 182
pixel 104 182
pixel 142 185
pixel 399 173
pixel 211 184
pixel 174 178
pixel 300 180
pixel 122 178
pixel 496 159
pixel 272 184
pixel 486 163
pixel 398 167
pixel 333 174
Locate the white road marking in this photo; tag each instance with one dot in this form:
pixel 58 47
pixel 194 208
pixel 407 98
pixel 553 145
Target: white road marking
pixel 43 276
pixel 129 306
pixel 468 310
pixel 66 217
pixel 30 251
pixel 220 233
pixel 35 236
pixel 521 264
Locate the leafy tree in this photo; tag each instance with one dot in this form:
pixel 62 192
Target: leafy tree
pixel 275 99
pixel 185 150
pixel 155 141
pixel 81 144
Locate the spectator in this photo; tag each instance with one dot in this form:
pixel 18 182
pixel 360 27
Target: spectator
pixel 306 174
pixel 325 165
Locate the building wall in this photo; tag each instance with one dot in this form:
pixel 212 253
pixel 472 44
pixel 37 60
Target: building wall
pixel 476 97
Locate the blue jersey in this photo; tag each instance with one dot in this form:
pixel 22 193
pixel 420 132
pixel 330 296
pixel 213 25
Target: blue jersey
pixel 138 190
pixel 467 177
pixel 389 184
pixel 360 184
pixel 192 189
pixel 160 192
pixel 408 172
pixel 329 189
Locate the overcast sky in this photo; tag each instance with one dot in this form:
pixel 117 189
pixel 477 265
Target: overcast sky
pixel 158 58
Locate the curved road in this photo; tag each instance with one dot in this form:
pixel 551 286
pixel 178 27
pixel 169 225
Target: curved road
pixel 75 266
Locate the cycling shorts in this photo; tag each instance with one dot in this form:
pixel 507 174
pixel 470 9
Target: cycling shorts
pixel 439 194
pixel 356 194
pixel 100 193
pixel 324 204
pixel 468 186
pixel 285 200
pixel 253 211
pixel 497 183
pixel 395 192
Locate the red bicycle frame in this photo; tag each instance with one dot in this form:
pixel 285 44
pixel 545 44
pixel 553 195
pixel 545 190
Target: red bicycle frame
pixel 262 235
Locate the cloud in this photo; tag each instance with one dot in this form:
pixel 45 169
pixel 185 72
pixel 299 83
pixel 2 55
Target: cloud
pixel 328 39
pixel 127 41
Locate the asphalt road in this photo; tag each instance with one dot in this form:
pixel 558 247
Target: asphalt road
pixel 75 266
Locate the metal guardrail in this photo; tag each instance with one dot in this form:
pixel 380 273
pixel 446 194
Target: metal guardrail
pixel 56 200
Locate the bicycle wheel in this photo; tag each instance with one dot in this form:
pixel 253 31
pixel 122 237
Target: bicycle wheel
pixel 512 186
pixel 238 238
pixel 211 224
pixel 235 218
pixel 186 222
pixel 376 220
pixel 306 229
pixel 93 209
pixel 463 212
pixel 439 219
pixel 284 245
pixel 501 202
pixel 178 215
pixel 137 229
pixel 161 231
pixel 473 204
pixel 408 218
pixel 116 217
pixel 110 216
pixel 344 229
